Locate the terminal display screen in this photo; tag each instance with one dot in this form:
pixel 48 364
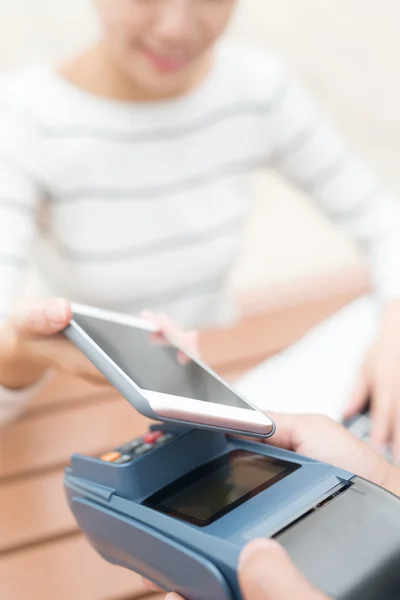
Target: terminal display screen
pixel 214 489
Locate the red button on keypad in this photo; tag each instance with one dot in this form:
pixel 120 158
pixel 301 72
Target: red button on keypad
pixel 152 437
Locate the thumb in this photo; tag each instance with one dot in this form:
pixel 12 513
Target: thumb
pixel 191 340
pixel 45 317
pixel 266 572
pixel 359 395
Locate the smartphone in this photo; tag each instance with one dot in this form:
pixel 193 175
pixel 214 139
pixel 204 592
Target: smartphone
pixel 150 377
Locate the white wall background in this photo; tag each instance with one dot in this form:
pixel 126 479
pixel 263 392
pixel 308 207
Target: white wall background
pixel 345 51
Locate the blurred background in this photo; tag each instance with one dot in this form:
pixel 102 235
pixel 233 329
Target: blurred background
pixel 344 52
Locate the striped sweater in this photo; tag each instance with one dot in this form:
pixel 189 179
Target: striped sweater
pixel 127 205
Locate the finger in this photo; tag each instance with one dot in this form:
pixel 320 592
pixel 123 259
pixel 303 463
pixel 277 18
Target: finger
pixel 289 430
pixel 45 317
pixel 359 397
pixel 58 353
pixel 396 426
pixel 191 341
pixel 266 572
pixel 183 359
pixel 158 339
pixel 395 449
pixel 166 327
pixel 157 319
pixel 294 432
pixel 151 586
pixel 173 596
pixel 188 339
pixel 161 320
pixel 381 416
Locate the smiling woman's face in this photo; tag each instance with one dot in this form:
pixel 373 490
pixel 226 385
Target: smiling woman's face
pixel 161 44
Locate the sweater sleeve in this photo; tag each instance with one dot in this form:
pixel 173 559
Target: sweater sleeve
pixel 309 154
pixel 20 194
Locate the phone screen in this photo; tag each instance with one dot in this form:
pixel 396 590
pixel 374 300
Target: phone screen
pixel 155 367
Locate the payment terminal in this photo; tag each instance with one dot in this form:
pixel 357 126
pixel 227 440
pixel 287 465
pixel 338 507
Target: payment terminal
pixel 179 504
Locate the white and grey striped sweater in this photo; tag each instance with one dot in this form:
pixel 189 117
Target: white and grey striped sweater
pixel 143 205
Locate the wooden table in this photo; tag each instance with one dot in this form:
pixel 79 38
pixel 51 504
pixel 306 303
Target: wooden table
pixel 42 553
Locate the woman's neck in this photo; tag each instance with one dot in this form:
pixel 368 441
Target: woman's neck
pixel 95 71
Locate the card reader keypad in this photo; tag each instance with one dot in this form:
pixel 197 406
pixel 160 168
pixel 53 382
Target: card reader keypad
pixel 137 447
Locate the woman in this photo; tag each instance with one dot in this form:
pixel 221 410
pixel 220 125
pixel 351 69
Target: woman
pixel 136 156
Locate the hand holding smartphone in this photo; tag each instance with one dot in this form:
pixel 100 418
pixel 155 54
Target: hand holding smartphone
pixel 150 377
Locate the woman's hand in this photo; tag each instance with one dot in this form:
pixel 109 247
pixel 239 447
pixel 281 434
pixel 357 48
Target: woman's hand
pixel 31 342
pixel 320 438
pixel 379 380
pixel 167 329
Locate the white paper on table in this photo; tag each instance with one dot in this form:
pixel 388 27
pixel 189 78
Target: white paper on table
pixel 318 373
